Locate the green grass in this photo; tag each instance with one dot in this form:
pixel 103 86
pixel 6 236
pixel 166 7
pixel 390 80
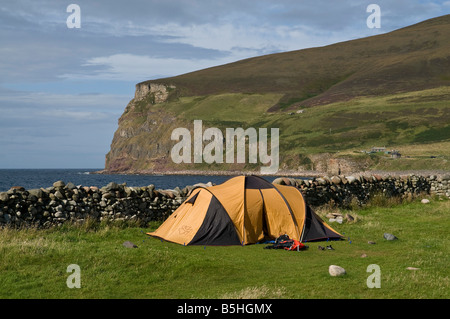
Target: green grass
pixel 34 262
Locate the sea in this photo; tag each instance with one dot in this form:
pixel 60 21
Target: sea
pixel 37 178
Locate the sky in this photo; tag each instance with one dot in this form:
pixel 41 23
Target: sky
pixel 63 88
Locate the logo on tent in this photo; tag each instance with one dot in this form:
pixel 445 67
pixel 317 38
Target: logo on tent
pixel 184 230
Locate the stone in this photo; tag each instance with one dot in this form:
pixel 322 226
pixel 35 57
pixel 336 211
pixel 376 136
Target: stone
pixel 112 186
pixel 60 214
pixel 363 255
pixel 278 181
pixel 350 179
pixel 59 184
pixel 107 195
pixel 336 180
pixel 425 201
pixel 70 186
pixel 3 196
pixel 349 217
pixel 59 195
pixel 336 271
pixel 18 188
pixel 388 236
pixel 129 244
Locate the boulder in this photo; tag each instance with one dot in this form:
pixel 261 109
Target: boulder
pixel 388 236
pixel 336 271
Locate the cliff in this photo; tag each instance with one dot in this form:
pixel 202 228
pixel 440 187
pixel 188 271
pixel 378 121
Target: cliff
pixel 329 103
pixel 142 140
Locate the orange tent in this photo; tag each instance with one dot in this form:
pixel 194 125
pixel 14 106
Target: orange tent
pixel 243 210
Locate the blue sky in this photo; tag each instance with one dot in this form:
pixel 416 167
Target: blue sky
pixel 62 90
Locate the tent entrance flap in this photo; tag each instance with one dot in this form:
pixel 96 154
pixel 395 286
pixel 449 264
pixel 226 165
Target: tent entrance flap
pixel 217 227
pixel 315 229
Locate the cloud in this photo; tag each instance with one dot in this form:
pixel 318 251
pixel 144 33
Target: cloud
pixel 139 68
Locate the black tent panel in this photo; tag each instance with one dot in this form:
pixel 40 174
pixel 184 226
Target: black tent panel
pixel 192 199
pixel 314 229
pixel 217 228
pixel 256 182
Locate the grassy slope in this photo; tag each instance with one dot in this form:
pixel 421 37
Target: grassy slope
pixel 404 121
pixel 388 90
pixel 408 59
pixel 33 263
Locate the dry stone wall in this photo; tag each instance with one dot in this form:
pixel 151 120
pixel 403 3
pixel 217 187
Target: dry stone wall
pixel 341 190
pixel 53 206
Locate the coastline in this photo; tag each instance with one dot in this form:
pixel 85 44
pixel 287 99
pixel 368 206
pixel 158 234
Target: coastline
pixel 280 173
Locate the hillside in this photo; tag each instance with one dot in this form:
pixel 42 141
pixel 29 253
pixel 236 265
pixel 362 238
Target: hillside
pixel 329 102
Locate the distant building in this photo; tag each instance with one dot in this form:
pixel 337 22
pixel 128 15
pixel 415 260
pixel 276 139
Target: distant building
pixel 378 149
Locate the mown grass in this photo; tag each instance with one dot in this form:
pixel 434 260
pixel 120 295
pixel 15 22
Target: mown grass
pixel 34 263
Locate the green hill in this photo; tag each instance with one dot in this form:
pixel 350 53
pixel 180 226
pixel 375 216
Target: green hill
pixel 329 103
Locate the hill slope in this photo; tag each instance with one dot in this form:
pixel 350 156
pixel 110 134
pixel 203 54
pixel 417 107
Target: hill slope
pixel 409 59
pixel 390 89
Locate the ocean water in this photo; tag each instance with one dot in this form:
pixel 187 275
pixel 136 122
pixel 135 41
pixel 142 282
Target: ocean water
pixel 37 178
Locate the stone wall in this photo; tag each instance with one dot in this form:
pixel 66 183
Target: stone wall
pixel 56 205
pixel 342 190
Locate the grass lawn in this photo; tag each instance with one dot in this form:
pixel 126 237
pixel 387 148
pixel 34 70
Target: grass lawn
pixel 34 263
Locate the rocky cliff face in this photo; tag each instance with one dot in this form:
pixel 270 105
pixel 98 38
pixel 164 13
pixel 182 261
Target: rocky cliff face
pixel 159 93
pixel 142 141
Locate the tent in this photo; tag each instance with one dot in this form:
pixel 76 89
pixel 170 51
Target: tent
pixel 243 210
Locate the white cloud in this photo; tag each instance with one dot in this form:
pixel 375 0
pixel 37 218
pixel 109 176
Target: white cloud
pixel 261 39
pixel 131 67
pixel 236 42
